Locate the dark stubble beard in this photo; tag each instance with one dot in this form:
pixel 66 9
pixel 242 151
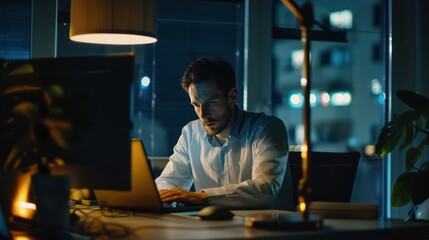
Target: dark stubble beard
pixel 230 115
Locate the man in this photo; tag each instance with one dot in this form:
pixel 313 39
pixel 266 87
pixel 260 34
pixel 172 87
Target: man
pixel 234 158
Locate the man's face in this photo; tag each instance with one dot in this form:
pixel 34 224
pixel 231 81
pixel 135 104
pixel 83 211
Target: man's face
pixel 214 109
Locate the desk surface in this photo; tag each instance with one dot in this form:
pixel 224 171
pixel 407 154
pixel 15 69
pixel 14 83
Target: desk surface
pixel 179 226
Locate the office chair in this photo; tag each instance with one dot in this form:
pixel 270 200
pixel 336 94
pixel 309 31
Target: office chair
pixel 332 175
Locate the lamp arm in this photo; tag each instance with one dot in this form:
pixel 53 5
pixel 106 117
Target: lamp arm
pixel 306 21
pixel 295 10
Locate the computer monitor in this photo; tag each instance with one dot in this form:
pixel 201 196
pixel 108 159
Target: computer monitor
pixel 97 102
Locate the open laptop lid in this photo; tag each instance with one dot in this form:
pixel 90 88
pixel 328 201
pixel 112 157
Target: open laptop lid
pixel 144 193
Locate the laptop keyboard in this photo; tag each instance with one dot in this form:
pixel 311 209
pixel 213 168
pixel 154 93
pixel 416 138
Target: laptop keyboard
pixel 173 205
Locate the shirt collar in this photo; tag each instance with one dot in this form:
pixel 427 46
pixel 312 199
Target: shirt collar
pixel 238 122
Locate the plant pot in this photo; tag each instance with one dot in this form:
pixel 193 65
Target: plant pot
pixel 419 188
pixel 422 211
pixel 52 194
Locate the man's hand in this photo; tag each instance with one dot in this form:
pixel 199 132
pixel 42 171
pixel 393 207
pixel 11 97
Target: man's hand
pixel 181 195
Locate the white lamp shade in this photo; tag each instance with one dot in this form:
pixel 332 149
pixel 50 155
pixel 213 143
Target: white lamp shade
pixel 116 22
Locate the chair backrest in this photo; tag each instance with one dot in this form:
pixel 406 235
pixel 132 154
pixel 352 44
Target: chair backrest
pixel 332 175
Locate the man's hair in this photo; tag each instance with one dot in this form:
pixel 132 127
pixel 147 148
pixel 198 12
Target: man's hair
pixel 207 69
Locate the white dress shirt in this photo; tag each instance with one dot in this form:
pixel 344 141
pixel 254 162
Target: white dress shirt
pixel 245 172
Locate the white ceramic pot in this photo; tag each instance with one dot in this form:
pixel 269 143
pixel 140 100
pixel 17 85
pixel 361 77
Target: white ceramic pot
pixel 422 212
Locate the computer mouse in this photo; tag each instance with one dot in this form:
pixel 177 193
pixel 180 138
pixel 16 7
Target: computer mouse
pixel 215 213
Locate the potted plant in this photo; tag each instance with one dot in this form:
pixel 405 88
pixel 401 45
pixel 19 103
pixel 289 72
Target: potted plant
pixel 409 132
pixel 33 126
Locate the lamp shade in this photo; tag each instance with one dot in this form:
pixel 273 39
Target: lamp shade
pixel 116 22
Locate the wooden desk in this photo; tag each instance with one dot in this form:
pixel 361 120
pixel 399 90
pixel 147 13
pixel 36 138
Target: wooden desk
pixel 176 226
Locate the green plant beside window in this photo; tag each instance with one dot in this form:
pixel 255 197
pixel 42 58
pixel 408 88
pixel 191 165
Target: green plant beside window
pixel 408 131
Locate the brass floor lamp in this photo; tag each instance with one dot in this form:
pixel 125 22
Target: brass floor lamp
pixel 305 19
pixel 302 221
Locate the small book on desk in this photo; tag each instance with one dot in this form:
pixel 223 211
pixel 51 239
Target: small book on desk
pixel 344 210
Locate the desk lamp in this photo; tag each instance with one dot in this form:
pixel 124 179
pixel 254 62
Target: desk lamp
pixel 116 22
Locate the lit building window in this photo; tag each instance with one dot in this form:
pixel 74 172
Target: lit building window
pixel 342 98
pixel 324 99
pixel 341 19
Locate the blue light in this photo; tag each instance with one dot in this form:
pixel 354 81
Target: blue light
pixel 381 98
pixel 296 99
pixel 145 82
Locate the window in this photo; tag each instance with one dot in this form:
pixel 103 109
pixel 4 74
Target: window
pixel 186 29
pixel 15 26
pixel 346 107
pixel 342 75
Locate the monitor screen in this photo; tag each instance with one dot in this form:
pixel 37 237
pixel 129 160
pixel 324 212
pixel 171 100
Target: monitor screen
pixel 96 102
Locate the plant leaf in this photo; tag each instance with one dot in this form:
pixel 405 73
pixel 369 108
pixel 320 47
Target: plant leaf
pixel 392 132
pixel 419 189
pixel 424 131
pixel 424 166
pixel 407 137
pixel 413 154
pixel 413 100
pixel 401 192
pixel 388 138
pixel 426 116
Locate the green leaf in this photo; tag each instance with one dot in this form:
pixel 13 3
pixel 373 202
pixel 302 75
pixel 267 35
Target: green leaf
pixel 425 142
pixel 412 156
pixel 408 136
pixel 388 138
pixel 56 90
pixel 392 132
pixel 401 192
pixel 425 166
pixel 426 117
pixel 55 110
pixel 413 99
pixel 424 131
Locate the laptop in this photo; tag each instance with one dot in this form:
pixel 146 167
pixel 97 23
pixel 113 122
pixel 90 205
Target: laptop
pixel 144 195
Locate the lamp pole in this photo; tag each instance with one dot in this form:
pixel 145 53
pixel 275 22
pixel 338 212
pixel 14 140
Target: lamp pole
pixel 306 21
